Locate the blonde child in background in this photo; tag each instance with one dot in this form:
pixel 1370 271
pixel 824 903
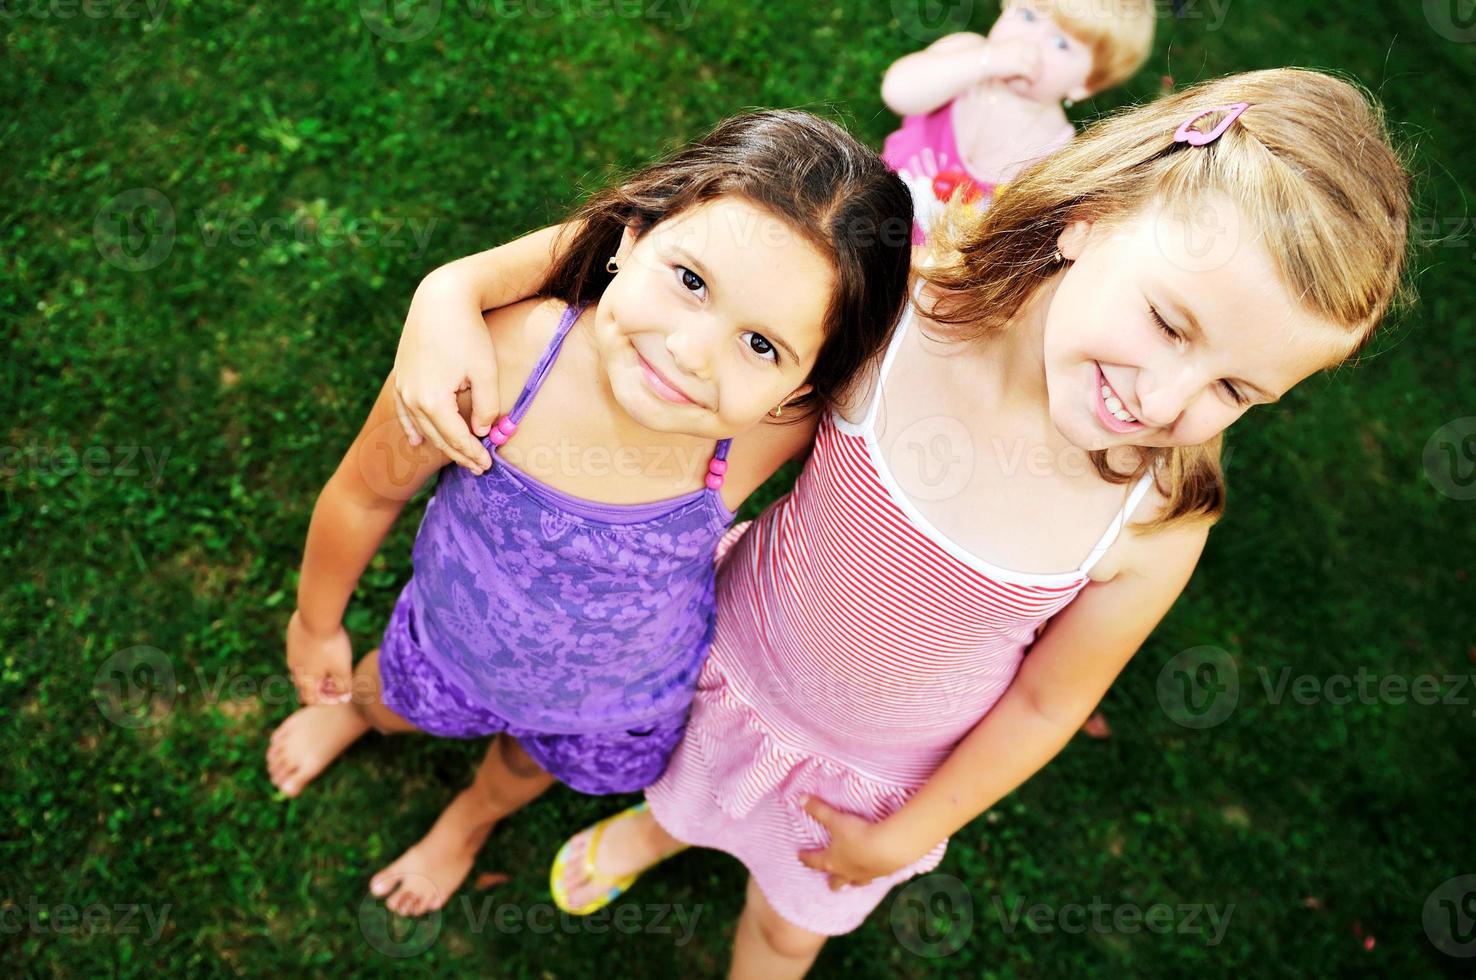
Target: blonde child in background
pixel 868 692
pixel 978 109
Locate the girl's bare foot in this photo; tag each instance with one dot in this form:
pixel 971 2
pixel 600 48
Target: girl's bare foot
pixel 310 738
pixel 633 844
pixel 425 877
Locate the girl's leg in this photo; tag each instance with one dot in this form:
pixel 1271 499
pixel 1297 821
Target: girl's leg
pixel 768 946
pixel 626 846
pixel 426 876
pixel 313 736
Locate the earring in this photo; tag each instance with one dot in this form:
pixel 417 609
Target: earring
pixel 778 412
pixel 1067 103
pixel 611 266
pixel 1060 259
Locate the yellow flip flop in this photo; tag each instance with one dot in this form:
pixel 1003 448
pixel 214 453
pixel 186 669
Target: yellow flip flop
pixel 614 886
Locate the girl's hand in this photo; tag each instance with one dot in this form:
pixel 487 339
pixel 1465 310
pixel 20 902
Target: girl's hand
pixel 859 850
pixel 321 664
pixel 1011 59
pixel 444 349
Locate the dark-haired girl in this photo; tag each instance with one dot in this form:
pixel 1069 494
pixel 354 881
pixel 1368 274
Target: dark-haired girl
pixel 563 601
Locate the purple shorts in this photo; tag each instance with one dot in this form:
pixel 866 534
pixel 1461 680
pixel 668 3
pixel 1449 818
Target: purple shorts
pixel 596 763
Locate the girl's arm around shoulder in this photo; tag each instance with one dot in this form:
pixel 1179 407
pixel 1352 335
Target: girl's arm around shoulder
pixel 519 334
pixel 383 468
pixel 443 351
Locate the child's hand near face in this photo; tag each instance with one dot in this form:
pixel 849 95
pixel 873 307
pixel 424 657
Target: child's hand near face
pixel 1011 58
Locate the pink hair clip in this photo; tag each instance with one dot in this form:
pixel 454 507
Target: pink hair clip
pixel 1195 137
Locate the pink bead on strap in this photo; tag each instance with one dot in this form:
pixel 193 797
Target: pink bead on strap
pixel 502 431
pixel 715 470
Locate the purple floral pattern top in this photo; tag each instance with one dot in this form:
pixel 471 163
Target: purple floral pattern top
pixel 558 613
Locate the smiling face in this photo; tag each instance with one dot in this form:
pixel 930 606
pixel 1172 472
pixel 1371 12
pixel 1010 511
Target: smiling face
pixel 1065 62
pixel 1184 340
pixel 715 318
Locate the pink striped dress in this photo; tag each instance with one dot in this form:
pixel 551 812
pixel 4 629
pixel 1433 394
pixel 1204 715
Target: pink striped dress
pixel 855 646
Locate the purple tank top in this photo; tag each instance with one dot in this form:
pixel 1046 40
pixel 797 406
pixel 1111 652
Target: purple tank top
pixel 558 613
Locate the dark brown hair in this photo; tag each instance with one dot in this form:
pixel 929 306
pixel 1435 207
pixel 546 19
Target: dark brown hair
pixel 808 172
pixel 1309 166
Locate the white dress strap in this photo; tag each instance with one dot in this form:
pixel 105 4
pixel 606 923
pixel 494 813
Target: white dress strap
pixel 1134 498
pixel 891 355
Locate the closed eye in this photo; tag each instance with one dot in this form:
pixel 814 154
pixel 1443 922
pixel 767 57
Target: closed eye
pixel 1178 338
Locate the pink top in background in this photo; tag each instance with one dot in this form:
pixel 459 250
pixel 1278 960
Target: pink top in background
pixel 924 152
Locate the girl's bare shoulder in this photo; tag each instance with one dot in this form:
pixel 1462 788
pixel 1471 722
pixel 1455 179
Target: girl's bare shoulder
pixel 520 333
pixel 1139 549
pixel 757 453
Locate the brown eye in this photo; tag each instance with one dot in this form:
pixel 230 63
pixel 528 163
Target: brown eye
pixel 690 280
pixel 760 345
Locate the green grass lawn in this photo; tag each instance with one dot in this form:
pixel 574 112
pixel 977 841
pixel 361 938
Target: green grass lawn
pixel 212 217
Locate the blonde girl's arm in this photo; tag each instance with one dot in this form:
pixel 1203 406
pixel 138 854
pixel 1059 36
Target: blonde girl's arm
pixel 1068 670
pixel 354 511
pixel 445 349
pixel 938 74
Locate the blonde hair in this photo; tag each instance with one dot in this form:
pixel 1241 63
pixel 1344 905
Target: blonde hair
pixel 1119 34
pixel 1310 168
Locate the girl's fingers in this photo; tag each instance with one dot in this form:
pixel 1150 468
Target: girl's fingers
pixel 427 426
pixel 484 398
pixel 402 412
pixel 453 429
pixel 335 689
pixel 307 688
pixel 446 429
